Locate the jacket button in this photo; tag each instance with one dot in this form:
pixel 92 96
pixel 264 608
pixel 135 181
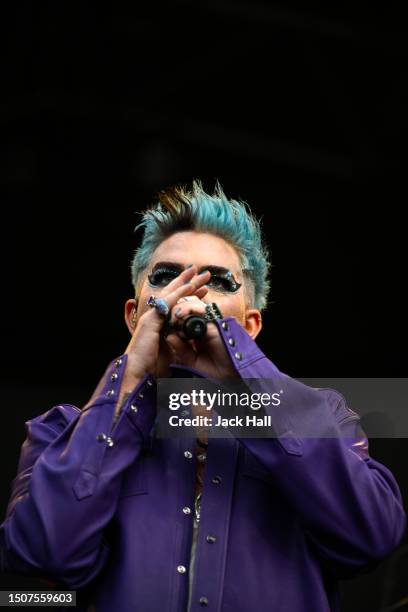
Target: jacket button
pixel 211 539
pixel 216 479
pixel 203 601
pixel 188 455
pixel 181 569
pixel 187 510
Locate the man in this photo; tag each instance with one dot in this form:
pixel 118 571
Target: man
pixel 228 523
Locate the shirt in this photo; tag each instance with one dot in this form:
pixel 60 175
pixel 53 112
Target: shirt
pixel 282 519
pixel 191 564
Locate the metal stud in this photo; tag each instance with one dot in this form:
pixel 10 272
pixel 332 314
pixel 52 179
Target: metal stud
pixel 187 510
pixel 211 539
pixel 134 408
pixel 110 392
pixel 231 342
pixel 188 455
pixel 109 441
pixel 114 376
pixel 238 356
pixel 181 569
pixel 149 383
pixel 101 437
pixel 118 362
pixel 216 479
pixel 225 325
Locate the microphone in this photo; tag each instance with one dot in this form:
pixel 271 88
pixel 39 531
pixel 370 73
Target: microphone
pixel 195 326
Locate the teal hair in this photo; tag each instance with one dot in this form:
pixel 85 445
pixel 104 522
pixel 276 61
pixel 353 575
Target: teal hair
pixel 181 209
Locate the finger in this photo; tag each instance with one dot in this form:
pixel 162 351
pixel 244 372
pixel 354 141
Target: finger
pixel 188 298
pixel 189 288
pixel 200 279
pixel 201 292
pixel 182 278
pixel 157 319
pixel 180 283
pixel 182 308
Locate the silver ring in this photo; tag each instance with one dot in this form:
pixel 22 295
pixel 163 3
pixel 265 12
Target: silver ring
pixel 160 304
pixel 212 312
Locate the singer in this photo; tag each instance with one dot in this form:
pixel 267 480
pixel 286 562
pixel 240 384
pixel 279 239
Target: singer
pixel 138 523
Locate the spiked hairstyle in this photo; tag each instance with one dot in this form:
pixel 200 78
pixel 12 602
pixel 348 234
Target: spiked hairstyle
pixel 180 209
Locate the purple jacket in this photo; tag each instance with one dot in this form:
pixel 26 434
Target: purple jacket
pixel 289 515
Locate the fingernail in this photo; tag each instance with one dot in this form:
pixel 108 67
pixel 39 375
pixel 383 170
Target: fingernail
pixel 178 311
pixel 203 272
pixel 189 266
pixel 187 283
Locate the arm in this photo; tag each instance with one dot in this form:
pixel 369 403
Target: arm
pixel 349 504
pixel 69 479
pixel 57 518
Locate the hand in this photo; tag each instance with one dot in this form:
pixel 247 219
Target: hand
pixel 148 351
pixel 206 354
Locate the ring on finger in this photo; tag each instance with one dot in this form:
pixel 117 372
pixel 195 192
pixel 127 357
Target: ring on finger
pixel 159 304
pixel 212 312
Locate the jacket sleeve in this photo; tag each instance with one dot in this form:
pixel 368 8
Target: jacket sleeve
pixel 349 504
pixel 69 479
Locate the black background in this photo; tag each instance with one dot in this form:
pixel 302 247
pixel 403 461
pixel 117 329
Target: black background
pixel 299 110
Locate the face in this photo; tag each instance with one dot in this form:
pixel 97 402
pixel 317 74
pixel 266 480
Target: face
pixel 206 251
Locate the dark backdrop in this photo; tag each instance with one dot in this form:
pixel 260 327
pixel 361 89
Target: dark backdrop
pixel 298 110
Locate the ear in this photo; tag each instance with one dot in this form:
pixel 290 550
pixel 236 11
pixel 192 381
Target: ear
pixel 253 322
pixel 131 315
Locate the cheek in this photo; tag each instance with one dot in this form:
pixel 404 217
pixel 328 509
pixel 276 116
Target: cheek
pixel 230 305
pixel 144 295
